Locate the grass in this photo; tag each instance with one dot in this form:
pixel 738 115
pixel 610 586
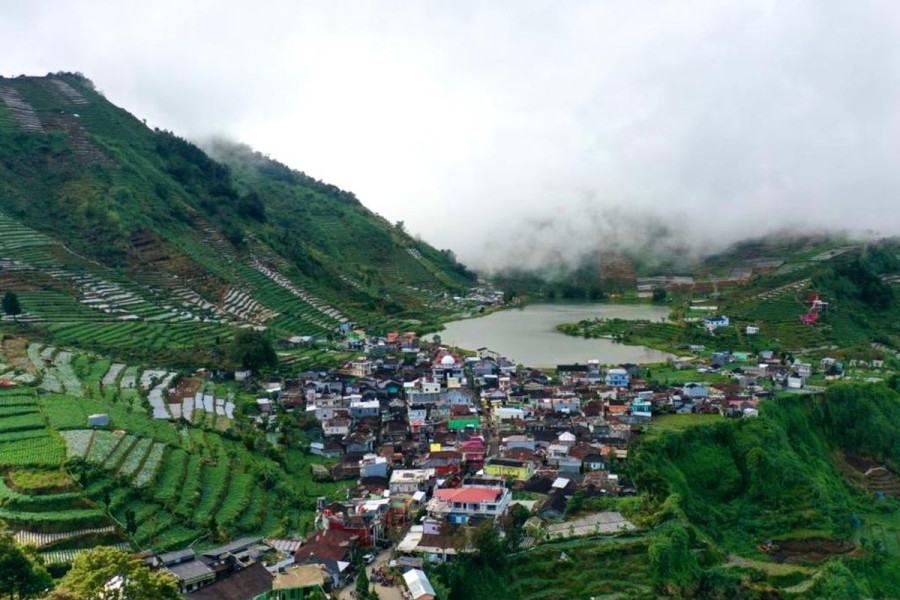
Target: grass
pixel 591 568
pixel 664 423
pixel 31 481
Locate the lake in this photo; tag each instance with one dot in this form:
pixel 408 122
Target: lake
pixel 529 336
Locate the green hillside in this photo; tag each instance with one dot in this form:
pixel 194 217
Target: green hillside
pixel 142 482
pixel 797 503
pixel 103 220
pixel 798 477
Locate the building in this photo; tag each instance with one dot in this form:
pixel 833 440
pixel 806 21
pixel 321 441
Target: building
pixel 716 322
pixel 509 468
pixel 364 408
pixel 418 585
pixel 373 465
pixel 252 583
pixel 297 582
pixel 410 481
pixel 191 573
pixel 461 505
pixel 617 378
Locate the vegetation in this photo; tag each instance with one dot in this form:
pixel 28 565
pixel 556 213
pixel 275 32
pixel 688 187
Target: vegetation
pixel 22 575
pixel 92 571
pixel 781 476
pixel 253 350
pixel 195 245
pixel 11 305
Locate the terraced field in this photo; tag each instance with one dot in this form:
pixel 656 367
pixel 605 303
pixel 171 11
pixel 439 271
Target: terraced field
pixel 176 478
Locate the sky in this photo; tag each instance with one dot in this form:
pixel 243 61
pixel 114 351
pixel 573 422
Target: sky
pixel 519 132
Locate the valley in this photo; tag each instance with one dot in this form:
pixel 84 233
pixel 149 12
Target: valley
pixel 241 375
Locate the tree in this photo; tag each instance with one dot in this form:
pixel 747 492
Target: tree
pixel 362 582
pixel 575 503
pixel 130 521
pixel 659 294
pixel 674 567
pixel 21 574
pixel 11 305
pixel 253 350
pixel 110 574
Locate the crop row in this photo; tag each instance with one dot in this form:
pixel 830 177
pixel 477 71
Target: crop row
pixel 64 412
pixel 103 445
pixel 10 499
pixel 21 422
pixel 117 456
pixel 54 520
pixel 78 442
pixel 135 459
pixel 151 466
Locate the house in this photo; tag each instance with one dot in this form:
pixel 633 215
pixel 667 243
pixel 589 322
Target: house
pixel 720 359
pixel 329 449
pixel 364 408
pixel 553 507
pixel 418 585
pixel 444 462
pixel 467 503
pixel 297 582
pixel 462 422
pixel 373 465
pixel 251 583
pixel 336 426
pixel 519 441
pixel 360 367
pixel 331 548
pixel 569 464
pixel 715 322
pixel 694 390
pixel 802 369
pixel 796 382
pixel 508 468
pixel 566 404
pixel 410 481
pixel 594 462
pixel 473 451
pixel 190 572
pixel 751 330
pixel 508 413
pixel 617 378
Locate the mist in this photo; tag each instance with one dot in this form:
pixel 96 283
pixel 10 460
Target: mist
pixel 526 134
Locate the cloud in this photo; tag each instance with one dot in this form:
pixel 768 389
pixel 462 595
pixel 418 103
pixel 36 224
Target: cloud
pixel 522 132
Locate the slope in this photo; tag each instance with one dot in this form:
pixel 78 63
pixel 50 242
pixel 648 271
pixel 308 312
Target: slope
pixel 147 228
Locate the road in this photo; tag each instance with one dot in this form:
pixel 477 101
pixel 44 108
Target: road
pixel 384 593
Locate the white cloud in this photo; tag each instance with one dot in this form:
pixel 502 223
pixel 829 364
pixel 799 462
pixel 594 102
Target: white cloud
pixel 472 121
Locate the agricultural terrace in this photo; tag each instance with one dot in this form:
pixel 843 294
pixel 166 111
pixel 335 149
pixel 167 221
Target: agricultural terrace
pixel 174 480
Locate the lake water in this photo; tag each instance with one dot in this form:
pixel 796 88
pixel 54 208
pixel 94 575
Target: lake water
pixel 529 336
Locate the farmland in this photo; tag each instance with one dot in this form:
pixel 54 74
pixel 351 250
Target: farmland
pixel 66 480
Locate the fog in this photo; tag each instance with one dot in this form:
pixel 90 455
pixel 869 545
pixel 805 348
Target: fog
pixel 522 133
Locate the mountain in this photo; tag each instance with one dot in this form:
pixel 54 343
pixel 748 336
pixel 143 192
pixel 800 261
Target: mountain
pixel 104 220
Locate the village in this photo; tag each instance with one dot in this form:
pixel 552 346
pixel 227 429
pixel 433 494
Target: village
pixel 441 441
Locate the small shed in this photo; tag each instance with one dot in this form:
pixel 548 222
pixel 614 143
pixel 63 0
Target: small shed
pixel 99 420
pixel 418 584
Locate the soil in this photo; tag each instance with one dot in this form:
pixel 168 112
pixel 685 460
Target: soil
pixel 875 477
pixel 186 388
pixel 811 550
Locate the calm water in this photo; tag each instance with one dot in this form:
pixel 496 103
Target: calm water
pixel 529 336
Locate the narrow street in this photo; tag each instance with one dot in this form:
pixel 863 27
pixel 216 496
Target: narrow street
pixel 384 593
